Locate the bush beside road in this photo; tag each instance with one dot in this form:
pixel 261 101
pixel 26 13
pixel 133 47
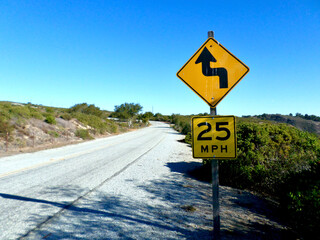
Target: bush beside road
pixel 277 160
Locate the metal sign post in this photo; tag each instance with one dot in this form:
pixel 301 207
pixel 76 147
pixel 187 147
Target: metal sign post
pixel 215 187
pixel 215 181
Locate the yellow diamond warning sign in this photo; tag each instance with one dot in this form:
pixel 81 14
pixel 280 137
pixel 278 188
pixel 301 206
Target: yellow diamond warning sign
pixel 212 72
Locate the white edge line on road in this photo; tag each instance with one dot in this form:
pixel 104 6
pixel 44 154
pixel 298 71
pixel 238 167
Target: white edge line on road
pixel 52 160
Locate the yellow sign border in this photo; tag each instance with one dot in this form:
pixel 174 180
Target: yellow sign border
pixel 212 117
pixel 213 105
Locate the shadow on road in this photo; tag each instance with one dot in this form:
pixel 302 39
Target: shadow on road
pixel 105 216
pixel 193 170
pixel 176 206
pixel 26 199
pixel 111 204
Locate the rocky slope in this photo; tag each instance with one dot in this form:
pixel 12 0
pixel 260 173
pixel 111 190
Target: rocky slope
pixel 28 127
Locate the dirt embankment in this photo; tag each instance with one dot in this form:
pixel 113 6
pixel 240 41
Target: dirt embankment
pixel 34 135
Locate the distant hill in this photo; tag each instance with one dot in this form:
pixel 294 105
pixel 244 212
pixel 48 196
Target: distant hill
pixel 303 122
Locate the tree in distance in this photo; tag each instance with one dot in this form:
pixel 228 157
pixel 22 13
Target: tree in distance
pixel 144 118
pixel 148 115
pixel 87 109
pixel 127 110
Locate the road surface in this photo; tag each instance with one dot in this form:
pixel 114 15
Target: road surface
pixel 120 187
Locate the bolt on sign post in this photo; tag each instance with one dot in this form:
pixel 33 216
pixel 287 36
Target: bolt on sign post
pixel 212 72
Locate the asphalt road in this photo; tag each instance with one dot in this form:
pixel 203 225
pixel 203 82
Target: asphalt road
pixel 73 192
pixel 28 182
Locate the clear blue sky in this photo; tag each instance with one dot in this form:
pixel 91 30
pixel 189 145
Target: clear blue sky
pixel 60 53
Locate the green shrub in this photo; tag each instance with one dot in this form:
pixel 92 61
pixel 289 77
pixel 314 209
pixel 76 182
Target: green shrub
pixel 20 111
pixel 6 129
pixel 35 113
pixel 145 121
pixel 301 199
pixel 4 115
pixel 282 161
pixel 112 127
pixel 87 109
pixel 49 110
pixel 186 128
pixel 160 117
pixel 50 119
pixel 53 134
pixel 268 154
pixel 122 127
pixel 93 121
pixel 182 123
pixel 84 134
pixel 188 138
pixel 66 116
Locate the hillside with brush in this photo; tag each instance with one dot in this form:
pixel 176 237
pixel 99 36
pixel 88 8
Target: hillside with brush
pixel 30 127
pixel 309 123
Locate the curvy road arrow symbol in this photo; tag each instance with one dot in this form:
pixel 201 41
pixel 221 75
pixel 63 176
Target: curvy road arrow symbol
pixel 205 58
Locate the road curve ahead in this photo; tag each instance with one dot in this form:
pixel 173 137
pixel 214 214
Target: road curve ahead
pixel 50 194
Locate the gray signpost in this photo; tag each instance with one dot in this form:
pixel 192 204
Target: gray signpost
pixel 215 181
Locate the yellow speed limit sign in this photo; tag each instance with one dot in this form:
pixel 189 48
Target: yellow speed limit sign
pixel 214 137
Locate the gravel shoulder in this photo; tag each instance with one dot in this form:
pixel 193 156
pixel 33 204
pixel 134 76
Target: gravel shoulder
pixel 156 198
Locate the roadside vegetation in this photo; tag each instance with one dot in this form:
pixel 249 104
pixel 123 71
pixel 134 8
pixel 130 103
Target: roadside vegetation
pixel 29 125
pixel 274 159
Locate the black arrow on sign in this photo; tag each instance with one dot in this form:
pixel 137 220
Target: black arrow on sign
pixel 205 58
